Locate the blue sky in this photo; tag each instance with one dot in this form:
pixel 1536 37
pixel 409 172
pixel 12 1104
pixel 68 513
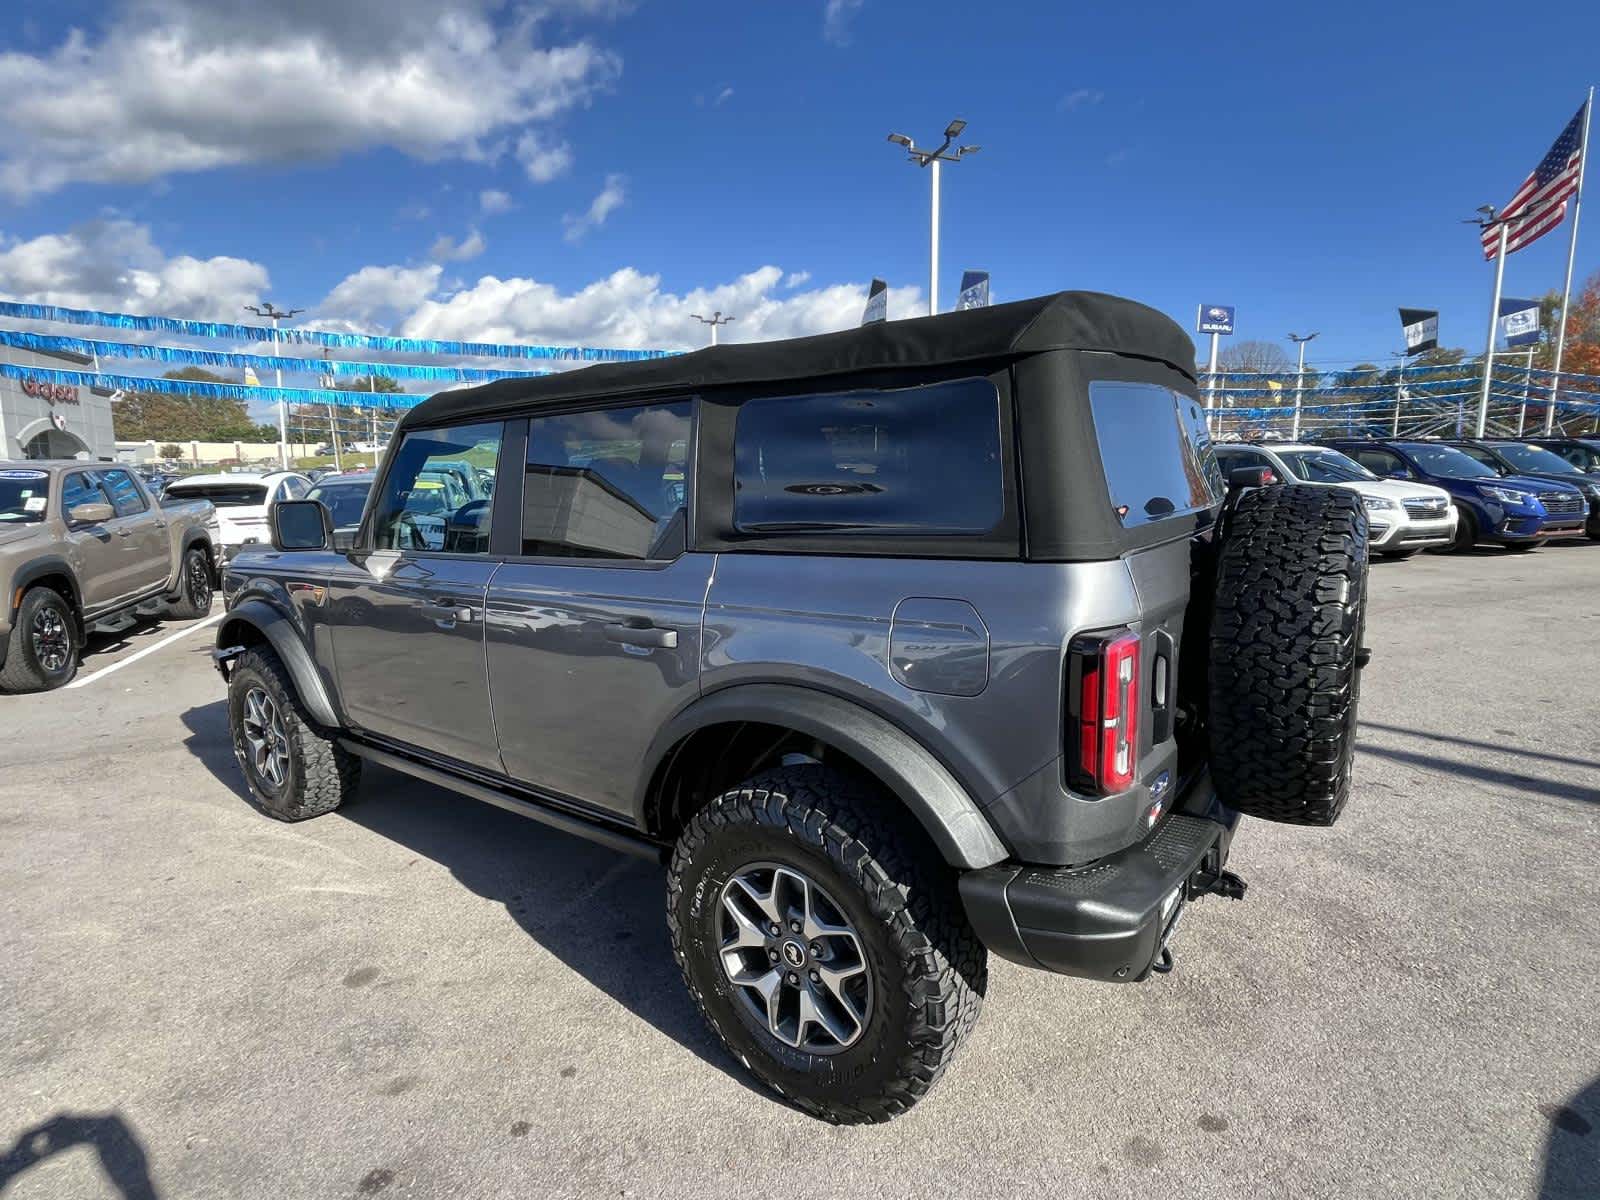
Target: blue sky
pixel 1310 166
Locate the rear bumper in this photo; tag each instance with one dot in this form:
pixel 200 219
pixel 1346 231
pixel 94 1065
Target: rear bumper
pixel 1108 919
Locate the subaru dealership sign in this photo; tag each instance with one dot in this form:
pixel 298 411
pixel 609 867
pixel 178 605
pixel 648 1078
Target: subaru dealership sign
pixel 1215 318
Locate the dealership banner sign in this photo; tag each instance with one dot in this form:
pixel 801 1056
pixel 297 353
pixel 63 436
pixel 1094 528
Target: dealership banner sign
pixel 974 290
pixel 1519 322
pixel 1421 328
pixel 877 303
pixel 1215 318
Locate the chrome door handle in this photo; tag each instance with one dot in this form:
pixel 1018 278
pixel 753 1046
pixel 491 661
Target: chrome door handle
pixel 124 533
pixel 642 635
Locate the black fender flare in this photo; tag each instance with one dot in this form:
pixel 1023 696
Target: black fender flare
pixel 284 637
pixel 902 764
pixel 37 568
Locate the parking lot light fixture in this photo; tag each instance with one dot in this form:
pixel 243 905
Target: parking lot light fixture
pixel 275 315
pixel 713 320
pixel 1300 339
pixel 942 153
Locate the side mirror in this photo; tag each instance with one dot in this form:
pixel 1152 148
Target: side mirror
pixel 301 525
pixel 93 513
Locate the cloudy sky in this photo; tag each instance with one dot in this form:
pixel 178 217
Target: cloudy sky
pixel 594 171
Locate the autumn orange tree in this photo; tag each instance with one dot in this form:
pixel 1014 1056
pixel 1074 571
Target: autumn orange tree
pixel 1582 356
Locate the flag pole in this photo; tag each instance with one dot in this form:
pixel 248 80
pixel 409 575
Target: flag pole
pixel 1494 320
pixel 1572 253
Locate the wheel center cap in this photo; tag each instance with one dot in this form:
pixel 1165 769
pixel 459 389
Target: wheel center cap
pixel 793 953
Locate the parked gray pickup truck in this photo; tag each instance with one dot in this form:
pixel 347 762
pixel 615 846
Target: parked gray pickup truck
pixel 81 544
pixel 898 647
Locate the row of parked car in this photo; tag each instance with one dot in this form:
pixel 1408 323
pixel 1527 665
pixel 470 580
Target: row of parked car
pixel 1429 493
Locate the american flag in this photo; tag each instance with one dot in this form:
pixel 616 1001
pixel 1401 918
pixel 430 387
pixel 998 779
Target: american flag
pixel 1541 201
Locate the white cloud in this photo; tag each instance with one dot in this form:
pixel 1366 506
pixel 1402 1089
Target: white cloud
pixel 377 295
pixel 610 199
pixel 114 264
pixel 541 160
pixel 191 85
pixel 447 249
pixel 1080 98
pixel 725 94
pixel 795 278
pixel 836 18
pixel 492 201
pixel 628 309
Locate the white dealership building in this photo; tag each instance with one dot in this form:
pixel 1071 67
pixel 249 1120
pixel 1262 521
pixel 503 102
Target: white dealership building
pixel 42 419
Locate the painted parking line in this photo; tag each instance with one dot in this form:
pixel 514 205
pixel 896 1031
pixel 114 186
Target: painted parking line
pixel 86 680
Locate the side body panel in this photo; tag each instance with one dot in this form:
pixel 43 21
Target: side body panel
pixel 586 662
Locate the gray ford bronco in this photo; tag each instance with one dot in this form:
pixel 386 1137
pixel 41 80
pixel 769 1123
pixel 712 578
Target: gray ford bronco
pixel 898 646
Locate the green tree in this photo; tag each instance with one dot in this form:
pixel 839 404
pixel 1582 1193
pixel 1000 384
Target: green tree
pixel 171 450
pixel 160 416
pixel 371 383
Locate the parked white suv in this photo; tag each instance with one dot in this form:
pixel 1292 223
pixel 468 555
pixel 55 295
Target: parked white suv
pixel 241 502
pixel 1403 517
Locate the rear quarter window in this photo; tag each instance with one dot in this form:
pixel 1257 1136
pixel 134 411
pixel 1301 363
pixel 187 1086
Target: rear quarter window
pixel 917 460
pixel 1155 449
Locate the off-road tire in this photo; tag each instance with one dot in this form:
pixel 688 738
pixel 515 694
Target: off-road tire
pixel 24 672
pixel 321 774
pixel 196 588
pixel 928 969
pixel 1286 635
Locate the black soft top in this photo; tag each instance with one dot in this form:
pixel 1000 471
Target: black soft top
pixel 1062 321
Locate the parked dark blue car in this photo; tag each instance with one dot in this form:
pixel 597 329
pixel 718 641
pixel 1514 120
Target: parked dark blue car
pixel 1514 511
pixel 1511 457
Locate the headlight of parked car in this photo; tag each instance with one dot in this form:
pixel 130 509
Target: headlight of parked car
pixel 1378 503
pixel 1503 495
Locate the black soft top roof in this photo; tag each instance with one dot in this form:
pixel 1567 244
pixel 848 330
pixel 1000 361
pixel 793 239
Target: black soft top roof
pixel 1063 321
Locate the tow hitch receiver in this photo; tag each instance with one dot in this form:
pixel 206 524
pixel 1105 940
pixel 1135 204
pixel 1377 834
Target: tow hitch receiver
pixel 1207 882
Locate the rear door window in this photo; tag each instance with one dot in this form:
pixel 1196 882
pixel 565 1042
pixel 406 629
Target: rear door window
pixel 1156 451
pixel 918 460
pixel 607 483
pixel 125 495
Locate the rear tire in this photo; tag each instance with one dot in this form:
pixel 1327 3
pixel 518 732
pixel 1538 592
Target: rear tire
pixel 1284 679
pixel 861 1023
pixel 44 647
pixel 195 589
pixel 293 770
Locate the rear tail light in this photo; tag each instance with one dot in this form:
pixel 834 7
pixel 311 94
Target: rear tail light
pixel 1103 711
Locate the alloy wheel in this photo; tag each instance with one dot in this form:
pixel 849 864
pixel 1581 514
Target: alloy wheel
pixel 52 644
pixel 199 581
pixel 265 738
pixel 797 963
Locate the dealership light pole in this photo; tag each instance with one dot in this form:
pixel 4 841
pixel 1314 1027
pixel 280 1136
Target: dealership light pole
pixel 275 315
pixel 713 320
pixel 942 153
pixel 1299 377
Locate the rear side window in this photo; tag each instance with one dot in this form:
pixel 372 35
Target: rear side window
pixel 1156 451
pixel 920 460
pixel 607 483
pixel 125 495
pixel 222 495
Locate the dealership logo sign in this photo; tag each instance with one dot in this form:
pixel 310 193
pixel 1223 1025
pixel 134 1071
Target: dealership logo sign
pixel 54 393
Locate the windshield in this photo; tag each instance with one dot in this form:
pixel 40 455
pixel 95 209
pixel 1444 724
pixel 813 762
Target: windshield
pixel 344 501
pixel 23 495
pixel 1449 463
pixel 1533 458
pixel 223 495
pixel 1325 466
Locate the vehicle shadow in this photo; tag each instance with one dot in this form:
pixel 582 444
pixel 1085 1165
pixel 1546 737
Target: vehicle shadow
pixel 599 912
pixel 122 1155
pixel 1497 776
pixel 1500 748
pixel 1572 1151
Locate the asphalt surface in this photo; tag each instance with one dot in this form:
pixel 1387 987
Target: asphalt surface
pixel 423 996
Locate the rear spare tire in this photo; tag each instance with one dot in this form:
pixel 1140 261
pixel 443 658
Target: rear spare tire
pixel 1285 653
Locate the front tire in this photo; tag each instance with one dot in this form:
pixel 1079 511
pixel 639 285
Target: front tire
pixel 1466 532
pixel 293 770
pixel 43 654
pixel 824 942
pixel 195 589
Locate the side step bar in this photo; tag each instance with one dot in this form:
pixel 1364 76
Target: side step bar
pixel 616 839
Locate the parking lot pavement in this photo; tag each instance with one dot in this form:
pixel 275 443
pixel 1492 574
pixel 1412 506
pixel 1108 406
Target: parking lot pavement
pixel 424 996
